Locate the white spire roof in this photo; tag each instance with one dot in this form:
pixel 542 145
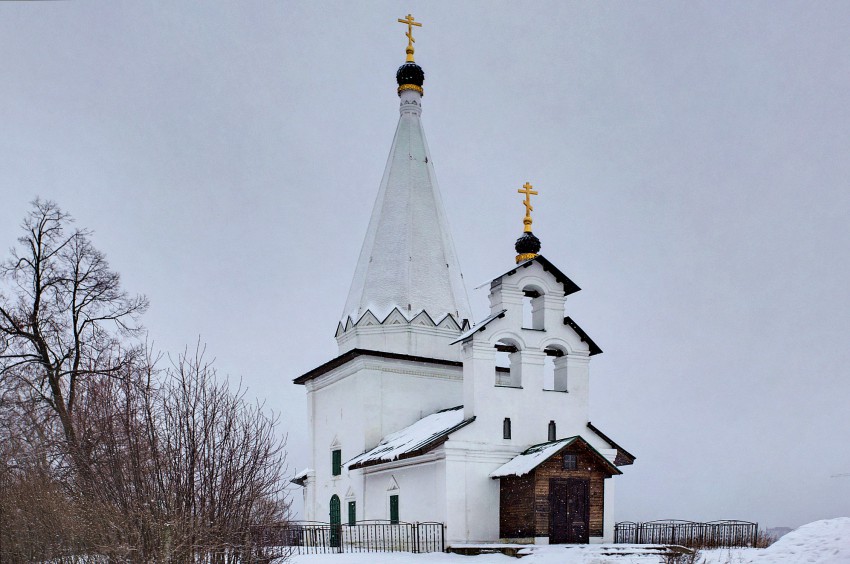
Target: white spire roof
pixel 408 260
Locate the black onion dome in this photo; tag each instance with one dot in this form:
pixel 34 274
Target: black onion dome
pixel 528 244
pixel 410 73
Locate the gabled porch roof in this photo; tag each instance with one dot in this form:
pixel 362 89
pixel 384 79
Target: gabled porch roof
pixel 536 455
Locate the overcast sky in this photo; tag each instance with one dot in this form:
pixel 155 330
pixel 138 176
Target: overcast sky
pixel 691 159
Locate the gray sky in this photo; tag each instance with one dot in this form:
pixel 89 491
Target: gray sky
pixel 691 160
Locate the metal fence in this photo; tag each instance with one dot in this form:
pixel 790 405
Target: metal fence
pixel 687 533
pixel 274 541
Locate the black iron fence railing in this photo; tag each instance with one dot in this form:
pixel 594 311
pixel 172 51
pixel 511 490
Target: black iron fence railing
pixel 687 533
pixel 276 540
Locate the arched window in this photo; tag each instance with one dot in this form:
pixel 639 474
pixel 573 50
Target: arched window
pixel 336 521
pixel 552 433
pixel 508 364
pixel 506 428
pixel 532 308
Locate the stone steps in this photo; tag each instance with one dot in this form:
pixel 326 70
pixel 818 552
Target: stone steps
pixel 601 550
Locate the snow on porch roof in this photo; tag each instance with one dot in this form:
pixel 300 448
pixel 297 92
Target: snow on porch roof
pixel 534 456
pixel 414 440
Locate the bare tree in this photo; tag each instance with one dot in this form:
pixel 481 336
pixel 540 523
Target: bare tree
pixel 65 314
pixel 104 456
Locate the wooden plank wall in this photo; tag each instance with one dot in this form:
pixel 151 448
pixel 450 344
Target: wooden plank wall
pixel 516 507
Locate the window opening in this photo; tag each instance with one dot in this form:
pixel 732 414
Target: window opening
pixel 555 369
pixel 507 365
pixel 552 431
pixel 527 322
pixel 506 428
pixel 532 309
pixel 570 462
pixel 336 462
pixel 352 513
pixel 394 509
pixel 548 373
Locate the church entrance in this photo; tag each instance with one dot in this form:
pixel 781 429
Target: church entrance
pixel 570 510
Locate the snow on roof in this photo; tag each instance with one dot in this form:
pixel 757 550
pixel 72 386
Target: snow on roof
pixel 536 455
pixel 527 461
pixel 414 439
pixel 301 476
pixel 479 326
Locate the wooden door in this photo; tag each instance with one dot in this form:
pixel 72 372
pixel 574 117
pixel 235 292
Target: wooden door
pixel 569 504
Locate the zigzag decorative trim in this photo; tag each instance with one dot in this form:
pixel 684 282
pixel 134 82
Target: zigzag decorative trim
pixel 396 317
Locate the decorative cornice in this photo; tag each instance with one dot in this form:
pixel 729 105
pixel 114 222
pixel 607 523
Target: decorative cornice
pixel 398 319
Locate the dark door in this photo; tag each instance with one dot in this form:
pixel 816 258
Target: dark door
pixel 570 507
pixel 336 522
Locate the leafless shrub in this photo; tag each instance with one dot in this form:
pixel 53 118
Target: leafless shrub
pixel 103 455
pixel 683 556
pixel 764 540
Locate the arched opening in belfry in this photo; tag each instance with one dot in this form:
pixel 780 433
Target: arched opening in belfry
pixel 532 308
pixel 555 368
pixel 508 364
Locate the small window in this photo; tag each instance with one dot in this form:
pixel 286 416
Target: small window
pixel 394 510
pixel 506 428
pixel 336 462
pixel 552 433
pixel 352 513
pixel 570 462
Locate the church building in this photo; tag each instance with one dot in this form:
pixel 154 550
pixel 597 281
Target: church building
pixel 427 415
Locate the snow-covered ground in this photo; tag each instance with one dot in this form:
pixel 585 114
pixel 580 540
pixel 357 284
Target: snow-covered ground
pixel 821 542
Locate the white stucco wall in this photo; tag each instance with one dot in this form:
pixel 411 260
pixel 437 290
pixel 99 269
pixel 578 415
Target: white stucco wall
pixel 420 486
pixel 357 404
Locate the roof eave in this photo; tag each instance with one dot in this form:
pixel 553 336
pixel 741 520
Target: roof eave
pixel 430 445
pixel 570 287
pixel 628 457
pixel 594 348
pixel 354 353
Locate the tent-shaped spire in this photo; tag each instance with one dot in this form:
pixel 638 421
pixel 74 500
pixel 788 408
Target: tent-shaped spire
pixel 408 261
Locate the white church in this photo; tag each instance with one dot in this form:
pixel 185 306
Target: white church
pixel 426 416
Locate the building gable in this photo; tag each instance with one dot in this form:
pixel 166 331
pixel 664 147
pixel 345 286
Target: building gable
pixel 535 456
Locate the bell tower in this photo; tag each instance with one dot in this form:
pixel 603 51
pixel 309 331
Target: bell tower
pixel 407 295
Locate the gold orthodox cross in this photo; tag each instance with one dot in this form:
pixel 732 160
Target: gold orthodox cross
pixel 526 189
pixel 409 20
